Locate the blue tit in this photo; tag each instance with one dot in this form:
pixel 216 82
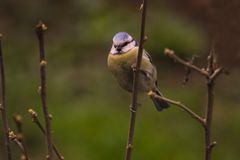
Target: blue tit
pixel 121 60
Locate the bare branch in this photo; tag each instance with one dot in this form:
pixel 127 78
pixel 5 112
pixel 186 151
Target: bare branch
pixel 13 137
pixel 3 105
pixel 133 106
pixel 35 119
pixel 213 73
pixel 40 29
pixel 181 106
pixel 172 55
pixel 18 122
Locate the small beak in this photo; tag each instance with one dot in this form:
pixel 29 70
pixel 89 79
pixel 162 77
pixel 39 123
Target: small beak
pixel 119 48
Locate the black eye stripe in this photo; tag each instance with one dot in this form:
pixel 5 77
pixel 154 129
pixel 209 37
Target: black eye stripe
pixel 124 44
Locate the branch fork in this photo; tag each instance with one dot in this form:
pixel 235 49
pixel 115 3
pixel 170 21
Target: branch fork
pixel 210 73
pixel 34 116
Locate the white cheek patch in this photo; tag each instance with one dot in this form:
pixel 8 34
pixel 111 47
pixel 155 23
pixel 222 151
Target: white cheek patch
pixel 128 47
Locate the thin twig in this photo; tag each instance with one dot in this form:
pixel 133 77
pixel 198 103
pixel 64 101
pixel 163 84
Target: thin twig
pixel 180 105
pixel 188 70
pixel 35 119
pixel 3 105
pixel 40 29
pixel 215 74
pixel 18 122
pixel 172 55
pixel 133 106
pixel 13 137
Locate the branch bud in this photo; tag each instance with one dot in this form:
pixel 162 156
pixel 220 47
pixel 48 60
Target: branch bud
pixel 168 52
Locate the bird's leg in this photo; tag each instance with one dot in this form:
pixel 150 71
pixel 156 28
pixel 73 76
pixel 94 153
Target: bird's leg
pixel 134 67
pixel 132 109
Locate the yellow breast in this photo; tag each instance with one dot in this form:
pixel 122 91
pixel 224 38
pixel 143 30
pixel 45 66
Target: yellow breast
pixel 118 60
pixel 121 67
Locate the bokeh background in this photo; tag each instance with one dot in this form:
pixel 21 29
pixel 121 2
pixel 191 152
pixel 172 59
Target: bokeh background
pixel 90 111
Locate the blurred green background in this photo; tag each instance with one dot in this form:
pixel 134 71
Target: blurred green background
pixel 90 111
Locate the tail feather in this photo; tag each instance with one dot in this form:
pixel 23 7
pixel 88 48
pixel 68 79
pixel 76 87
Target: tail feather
pixel 159 104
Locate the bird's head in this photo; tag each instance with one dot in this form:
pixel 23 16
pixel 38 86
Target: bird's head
pixel 122 43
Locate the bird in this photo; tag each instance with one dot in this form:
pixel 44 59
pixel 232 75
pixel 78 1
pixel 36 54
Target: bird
pixel 121 61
